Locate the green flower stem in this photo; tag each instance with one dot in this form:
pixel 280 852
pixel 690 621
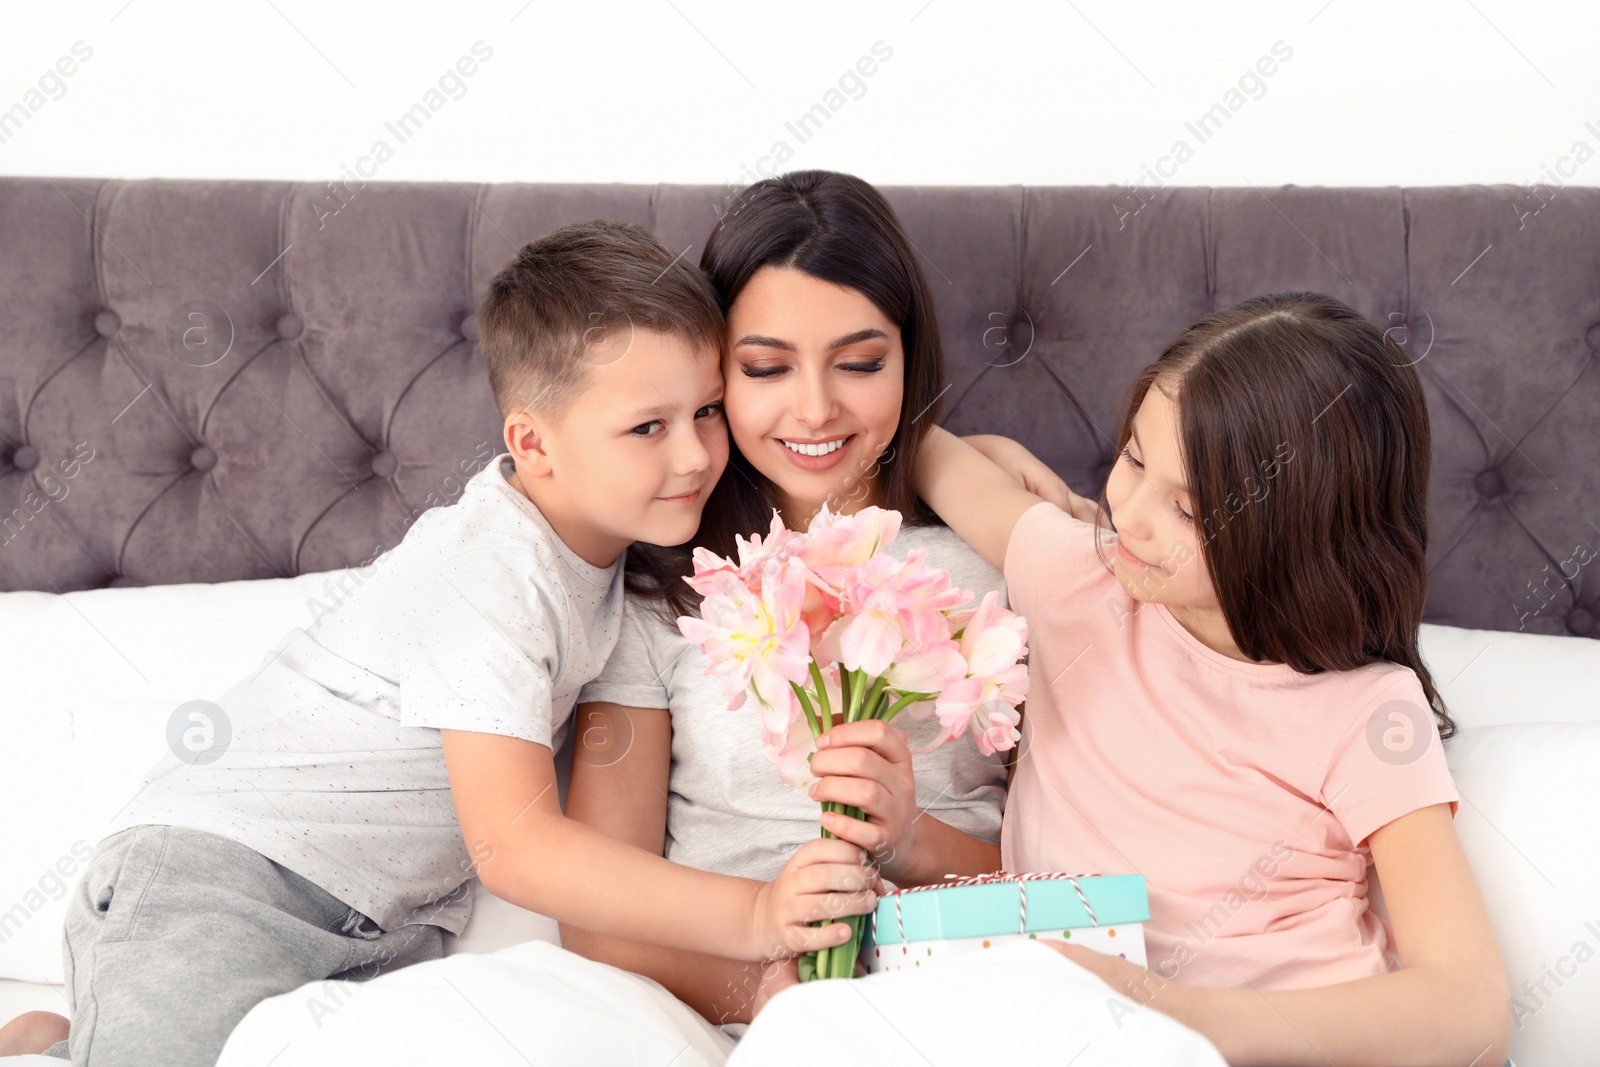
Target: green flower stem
pixel 824 708
pixel 858 690
pixel 864 709
pixel 861 698
pixel 805 705
pixel 904 702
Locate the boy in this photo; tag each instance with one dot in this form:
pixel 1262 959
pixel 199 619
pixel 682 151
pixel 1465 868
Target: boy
pixel 401 744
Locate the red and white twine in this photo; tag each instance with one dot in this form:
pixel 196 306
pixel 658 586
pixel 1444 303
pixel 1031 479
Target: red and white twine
pixel 992 878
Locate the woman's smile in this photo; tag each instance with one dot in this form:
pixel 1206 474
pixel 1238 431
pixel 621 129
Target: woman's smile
pixel 816 454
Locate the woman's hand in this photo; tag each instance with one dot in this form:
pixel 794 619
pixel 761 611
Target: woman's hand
pixel 867 765
pixel 824 879
pixel 1033 474
pixel 776 976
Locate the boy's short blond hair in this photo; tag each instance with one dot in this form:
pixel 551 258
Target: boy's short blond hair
pixel 546 308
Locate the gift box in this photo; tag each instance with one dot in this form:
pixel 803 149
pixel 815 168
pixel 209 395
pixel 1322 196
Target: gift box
pixel 918 925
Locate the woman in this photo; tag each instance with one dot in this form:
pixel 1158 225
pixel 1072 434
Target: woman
pixel 833 371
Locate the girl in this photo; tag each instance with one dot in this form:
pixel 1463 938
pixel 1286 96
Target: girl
pixel 1226 696
pixel 832 372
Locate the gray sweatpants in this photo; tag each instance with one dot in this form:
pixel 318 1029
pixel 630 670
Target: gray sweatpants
pixel 173 935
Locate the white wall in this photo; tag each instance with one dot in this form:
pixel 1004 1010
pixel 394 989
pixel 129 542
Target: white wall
pixel 979 91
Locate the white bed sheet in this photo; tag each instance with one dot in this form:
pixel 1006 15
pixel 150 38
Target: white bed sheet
pixel 538 1004
pixel 533 1003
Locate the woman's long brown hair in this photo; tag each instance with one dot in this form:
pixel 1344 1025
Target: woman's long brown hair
pixel 837 228
pixel 1305 442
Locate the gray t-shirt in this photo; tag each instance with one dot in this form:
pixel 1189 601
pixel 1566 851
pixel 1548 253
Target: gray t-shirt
pixel 728 811
pixel 481 619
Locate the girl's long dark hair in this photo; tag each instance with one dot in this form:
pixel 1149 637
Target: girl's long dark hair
pixel 1305 440
pixel 839 229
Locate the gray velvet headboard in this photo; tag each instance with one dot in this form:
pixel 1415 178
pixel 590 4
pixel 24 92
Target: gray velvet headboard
pixel 210 380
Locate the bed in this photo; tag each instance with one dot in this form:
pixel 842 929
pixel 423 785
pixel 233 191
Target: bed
pixel 217 396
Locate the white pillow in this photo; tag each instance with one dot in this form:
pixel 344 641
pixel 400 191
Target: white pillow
pixel 1490 677
pixel 91 680
pixel 1529 798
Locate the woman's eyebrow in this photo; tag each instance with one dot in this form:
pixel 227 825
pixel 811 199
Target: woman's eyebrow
pixel 756 340
pixel 868 334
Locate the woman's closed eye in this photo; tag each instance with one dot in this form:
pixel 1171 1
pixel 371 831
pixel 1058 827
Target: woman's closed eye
pixel 773 370
pixel 871 366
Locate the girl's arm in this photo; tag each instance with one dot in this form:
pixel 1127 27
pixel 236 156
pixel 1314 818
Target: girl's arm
pixel 975 498
pixel 626 798
pixel 1447 1005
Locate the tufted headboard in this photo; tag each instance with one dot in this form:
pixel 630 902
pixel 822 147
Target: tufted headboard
pixel 210 380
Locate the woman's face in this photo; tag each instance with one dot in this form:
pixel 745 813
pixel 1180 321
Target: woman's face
pixel 815 376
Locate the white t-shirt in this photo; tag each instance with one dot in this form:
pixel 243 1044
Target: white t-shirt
pixel 481 619
pixel 727 809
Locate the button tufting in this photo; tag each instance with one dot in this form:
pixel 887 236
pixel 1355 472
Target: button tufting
pixel 1580 621
pixel 384 464
pixel 1102 470
pixel 25 458
pixel 203 458
pixel 107 322
pixel 289 326
pixel 1491 484
pixel 469 327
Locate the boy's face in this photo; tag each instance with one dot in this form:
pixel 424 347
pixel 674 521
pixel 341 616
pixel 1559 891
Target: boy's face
pixel 634 457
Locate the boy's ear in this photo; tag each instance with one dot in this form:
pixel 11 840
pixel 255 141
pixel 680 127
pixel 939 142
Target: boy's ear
pixel 525 440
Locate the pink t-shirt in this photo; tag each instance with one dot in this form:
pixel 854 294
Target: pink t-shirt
pixel 1243 792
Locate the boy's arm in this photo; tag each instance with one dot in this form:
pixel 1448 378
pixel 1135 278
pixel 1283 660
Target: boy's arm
pixel 974 497
pixel 626 797
pixel 530 854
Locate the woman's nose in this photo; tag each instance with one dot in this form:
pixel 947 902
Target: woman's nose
pixel 815 405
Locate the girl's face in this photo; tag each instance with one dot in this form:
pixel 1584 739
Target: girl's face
pixel 1158 544
pixel 815 375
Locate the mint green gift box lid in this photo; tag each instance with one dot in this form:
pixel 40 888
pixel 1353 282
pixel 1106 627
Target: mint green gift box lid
pixel 991 908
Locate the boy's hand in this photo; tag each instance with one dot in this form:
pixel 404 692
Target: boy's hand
pixel 824 879
pixel 1033 474
pixel 868 765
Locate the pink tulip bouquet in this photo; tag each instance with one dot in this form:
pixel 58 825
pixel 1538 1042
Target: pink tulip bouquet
pixel 824 627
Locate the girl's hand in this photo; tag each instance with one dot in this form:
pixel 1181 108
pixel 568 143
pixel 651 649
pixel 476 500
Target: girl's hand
pixel 1033 474
pixel 868 765
pixel 824 879
pixel 1139 984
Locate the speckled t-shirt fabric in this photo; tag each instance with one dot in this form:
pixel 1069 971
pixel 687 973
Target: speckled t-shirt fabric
pixel 727 809
pixel 481 619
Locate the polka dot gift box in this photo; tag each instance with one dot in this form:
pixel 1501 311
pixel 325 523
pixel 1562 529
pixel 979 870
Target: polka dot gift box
pixel 917 926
